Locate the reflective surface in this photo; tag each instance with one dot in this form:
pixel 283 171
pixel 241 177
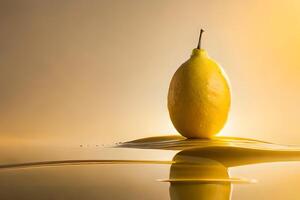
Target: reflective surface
pixel 222 168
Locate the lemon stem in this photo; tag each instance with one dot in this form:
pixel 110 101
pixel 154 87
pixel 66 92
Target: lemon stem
pixel 199 42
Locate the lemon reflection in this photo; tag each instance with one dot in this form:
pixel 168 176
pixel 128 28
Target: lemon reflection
pixel 202 173
pixel 202 179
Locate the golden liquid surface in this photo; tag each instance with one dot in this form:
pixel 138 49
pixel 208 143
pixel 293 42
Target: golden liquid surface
pixel 167 167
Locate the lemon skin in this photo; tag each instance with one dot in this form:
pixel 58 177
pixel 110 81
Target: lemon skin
pixel 199 97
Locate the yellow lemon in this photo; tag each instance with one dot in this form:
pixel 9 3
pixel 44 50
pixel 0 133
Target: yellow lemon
pixel 199 96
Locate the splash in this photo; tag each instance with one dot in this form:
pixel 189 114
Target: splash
pixel 176 142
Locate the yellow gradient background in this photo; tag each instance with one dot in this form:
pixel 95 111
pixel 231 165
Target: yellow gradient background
pixel 98 71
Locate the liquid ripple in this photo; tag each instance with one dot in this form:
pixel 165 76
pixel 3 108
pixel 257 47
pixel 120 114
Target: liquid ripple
pixel 200 169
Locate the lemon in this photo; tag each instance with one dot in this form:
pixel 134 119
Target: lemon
pixel 199 96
